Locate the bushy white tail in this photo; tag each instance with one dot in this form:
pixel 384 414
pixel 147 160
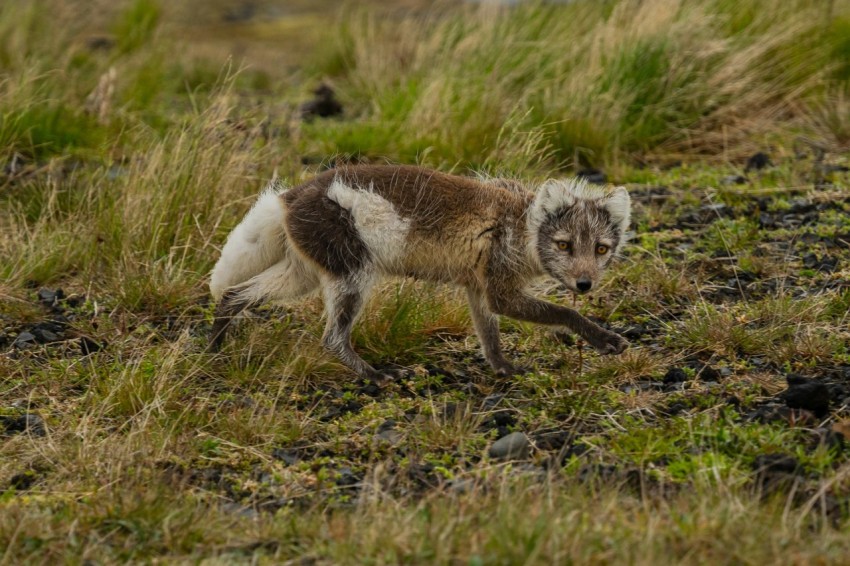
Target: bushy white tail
pixel 256 244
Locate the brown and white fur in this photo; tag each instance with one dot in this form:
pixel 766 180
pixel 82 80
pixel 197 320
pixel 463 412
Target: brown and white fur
pixel 347 227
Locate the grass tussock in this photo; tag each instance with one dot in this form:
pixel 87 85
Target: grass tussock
pixel 587 82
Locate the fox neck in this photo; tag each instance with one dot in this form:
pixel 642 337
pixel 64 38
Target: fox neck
pixel 530 235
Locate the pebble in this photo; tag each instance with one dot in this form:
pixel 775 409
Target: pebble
pixel 24 339
pixel 514 446
pixel 733 180
pixel 806 394
pixel 29 423
pixel 594 176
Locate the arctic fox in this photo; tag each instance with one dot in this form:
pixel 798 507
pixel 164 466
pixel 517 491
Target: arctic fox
pixel 347 227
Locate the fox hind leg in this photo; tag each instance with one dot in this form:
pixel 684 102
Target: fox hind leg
pixel 230 305
pixel 288 279
pixel 344 300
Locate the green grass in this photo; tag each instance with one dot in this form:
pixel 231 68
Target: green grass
pixel 124 170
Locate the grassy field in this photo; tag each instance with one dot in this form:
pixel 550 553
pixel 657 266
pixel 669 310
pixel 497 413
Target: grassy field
pixel 131 143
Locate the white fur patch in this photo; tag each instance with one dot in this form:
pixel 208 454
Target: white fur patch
pixel 257 243
pixel 380 227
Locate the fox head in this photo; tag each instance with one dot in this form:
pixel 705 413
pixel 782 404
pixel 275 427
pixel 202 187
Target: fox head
pixel 575 230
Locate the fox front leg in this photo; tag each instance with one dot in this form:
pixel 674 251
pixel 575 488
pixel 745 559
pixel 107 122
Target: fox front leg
pixel 530 309
pixel 487 328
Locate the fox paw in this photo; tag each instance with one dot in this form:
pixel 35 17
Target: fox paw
pixel 507 369
pixel 609 343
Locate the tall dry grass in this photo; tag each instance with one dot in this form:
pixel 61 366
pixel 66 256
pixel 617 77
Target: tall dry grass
pixel 587 82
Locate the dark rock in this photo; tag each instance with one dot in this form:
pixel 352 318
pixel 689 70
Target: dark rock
pixel 287 456
pixel 100 43
pixel 675 375
pixel 89 346
pixel 50 297
pixel 635 332
pixel 44 335
pixel 592 175
pixel 772 411
pixel 24 339
pixel 705 372
pixel 514 446
pixel 757 161
pixel 29 423
pixel 347 478
pixel 776 471
pixel 825 264
pixel 675 408
pixel 371 389
pixel 801 206
pixel 807 394
pixel 642 385
pixel 324 105
pixel 733 180
pixel 387 433
pixel 552 439
pixel 23 481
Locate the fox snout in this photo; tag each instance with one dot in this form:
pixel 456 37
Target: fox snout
pixel 584 284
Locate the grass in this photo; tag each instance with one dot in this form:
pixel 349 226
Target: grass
pixel 125 168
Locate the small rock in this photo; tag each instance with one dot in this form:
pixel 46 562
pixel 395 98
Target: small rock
pixel 514 446
pixel 29 423
pixel 324 105
pixel 45 335
pixel 591 175
pixel 553 439
pixel 757 161
pixel 675 375
pixel 100 43
pixel 89 346
pixel 387 433
pixel 635 332
pixel 776 471
pixel 733 180
pixel 806 394
pixel 288 457
pixel 346 478
pixel 801 206
pixel 50 297
pixel 23 481
pixel 24 340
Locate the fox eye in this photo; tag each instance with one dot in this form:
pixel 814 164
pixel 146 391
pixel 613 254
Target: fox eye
pixel 564 246
pixel 601 249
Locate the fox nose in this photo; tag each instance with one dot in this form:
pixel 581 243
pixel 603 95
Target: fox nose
pixel 584 284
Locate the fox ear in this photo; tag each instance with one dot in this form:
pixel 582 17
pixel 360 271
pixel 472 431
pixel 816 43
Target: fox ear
pixel 554 195
pixel 619 206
